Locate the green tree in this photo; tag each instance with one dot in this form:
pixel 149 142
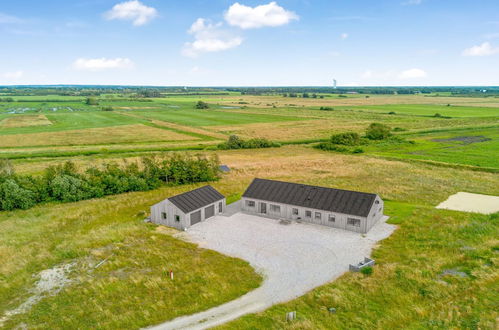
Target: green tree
pixel 202 105
pixel 91 101
pixel 12 196
pixel 378 131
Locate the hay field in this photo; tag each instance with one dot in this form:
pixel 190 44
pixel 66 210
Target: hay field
pixel 354 100
pixel 93 136
pixel 25 121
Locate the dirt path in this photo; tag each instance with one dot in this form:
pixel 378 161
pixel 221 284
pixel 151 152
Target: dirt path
pixel 293 259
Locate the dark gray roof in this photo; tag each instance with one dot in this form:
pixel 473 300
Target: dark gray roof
pixel 224 168
pixel 196 199
pixel 320 198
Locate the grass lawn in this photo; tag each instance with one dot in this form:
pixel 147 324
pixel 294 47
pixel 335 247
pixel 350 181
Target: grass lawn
pixel 465 147
pixel 74 121
pixel 131 290
pixel 192 117
pixel 431 110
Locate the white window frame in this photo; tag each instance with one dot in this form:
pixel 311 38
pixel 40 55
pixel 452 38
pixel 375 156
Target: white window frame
pixel 275 208
pixel 295 211
pixel 333 217
pixel 164 215
pixel 308 214
pixel 250 203
pixel 318 216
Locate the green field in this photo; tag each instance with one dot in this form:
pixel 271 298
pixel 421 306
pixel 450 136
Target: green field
pixel 429 159
pixel 467 147
pixel 452 111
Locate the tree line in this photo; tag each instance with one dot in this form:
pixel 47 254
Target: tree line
pixel 68 183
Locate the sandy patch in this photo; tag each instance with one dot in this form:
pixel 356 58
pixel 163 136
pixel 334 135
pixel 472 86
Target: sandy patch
pixel 293 258
pixel 50 283
pixel 468 202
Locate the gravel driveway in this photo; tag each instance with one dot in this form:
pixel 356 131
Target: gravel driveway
pixel 293 259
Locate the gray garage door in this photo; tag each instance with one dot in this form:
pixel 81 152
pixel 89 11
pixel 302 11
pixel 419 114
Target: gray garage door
pixel 209 211
pixel 195 217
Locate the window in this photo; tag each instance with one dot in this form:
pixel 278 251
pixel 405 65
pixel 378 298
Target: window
pixel 220 207
pixel 295 211
pixel 163 215
pixel 250 203
pixel 331 218
pixel 377 202
pixel 177 218
pixel 308 214
pixel 318 215
pixel 275 208
pixel 353 222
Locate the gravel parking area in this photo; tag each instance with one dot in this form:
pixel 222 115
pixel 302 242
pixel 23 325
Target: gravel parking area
pixel 293 258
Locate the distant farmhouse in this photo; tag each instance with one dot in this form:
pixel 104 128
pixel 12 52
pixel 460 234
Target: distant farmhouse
pixel 344 209
pixel 187 209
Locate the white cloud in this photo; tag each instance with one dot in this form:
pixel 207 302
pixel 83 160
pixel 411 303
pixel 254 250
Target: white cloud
pixel 134 11
pixel 247 17
pixel 209 37
pixel 484 49
pixel 344 36
pixel 13 75
pixel 100 64
pixel 413 74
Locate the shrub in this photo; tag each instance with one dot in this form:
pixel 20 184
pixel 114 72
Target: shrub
pixel 202 105
pixel 235 142
pixel 399 129
pixel 326 108
pixel 108 108
pixel 348 138
pixel 378 131
pixel 358 151
pixel 12 196
pixel 66 184
pixel 437 115
pixel 367 270
pixel 91 101
pixel 392 113
pixel 328 146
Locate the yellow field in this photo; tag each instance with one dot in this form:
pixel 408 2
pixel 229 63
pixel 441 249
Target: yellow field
pixel 108 135
pixel 25 121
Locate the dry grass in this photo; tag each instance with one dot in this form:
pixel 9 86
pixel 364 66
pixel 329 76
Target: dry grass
pixel 25 121
pixel 190 129
pixel 107 135
pixel 353 100
pixel 131 290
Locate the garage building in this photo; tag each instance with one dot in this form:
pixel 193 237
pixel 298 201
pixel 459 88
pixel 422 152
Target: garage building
pixel 344 209
pixel 184 210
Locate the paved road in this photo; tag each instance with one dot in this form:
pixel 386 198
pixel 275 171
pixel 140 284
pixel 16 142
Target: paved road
pixel 293 259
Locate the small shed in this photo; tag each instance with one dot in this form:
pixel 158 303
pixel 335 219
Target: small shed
pixel 184 210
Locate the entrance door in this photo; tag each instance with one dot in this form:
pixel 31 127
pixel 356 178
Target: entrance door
pixel 209 211
pixel 195 217
pixel 263 208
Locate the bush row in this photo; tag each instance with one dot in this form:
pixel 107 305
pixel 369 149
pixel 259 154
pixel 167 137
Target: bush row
pixel 67 183
pixel 235 142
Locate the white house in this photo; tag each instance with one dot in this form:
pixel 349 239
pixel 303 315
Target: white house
pixel 184 210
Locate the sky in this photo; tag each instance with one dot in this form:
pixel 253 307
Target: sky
pixel 250 42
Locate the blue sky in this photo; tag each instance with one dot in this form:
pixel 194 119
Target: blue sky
pixel 250 43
